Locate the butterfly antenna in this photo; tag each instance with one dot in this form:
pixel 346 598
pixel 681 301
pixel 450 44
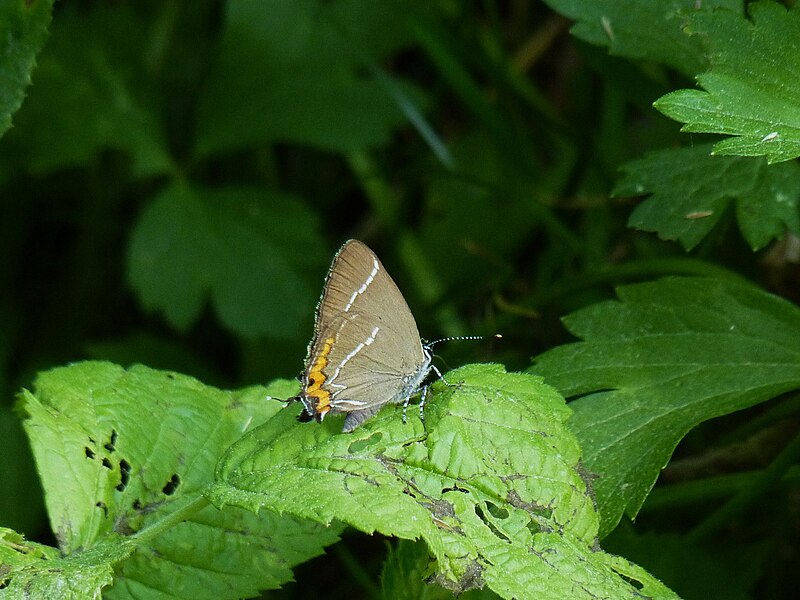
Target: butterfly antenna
pixel 430 345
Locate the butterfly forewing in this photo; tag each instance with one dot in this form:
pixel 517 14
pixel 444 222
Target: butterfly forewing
pixel 366 333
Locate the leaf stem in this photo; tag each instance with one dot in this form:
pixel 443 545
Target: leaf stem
pixel 170 520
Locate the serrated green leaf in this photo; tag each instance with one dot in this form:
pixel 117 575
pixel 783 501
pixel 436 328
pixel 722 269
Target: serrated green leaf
pixel 290 71
pixel 16 552
pixel 691 189
pixel 641 29
pixel 237 247
pixel 753 86
pixel 667 356
pixel 77 577
pixel 23 31
pixel 120 452
pixel 85 99
pixel 491 482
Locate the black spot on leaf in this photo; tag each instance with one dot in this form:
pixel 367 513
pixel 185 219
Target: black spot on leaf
pixel 107 464
pixel 112 442
pixel 89 452
pixel 172 485
pixel 102 505
pixel 124 474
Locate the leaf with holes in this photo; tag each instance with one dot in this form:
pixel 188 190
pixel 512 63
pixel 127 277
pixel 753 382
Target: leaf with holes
pixel 491 481
pixel 667 356
pixel 120 451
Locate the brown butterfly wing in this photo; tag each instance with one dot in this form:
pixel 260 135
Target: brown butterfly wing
pixel 366 333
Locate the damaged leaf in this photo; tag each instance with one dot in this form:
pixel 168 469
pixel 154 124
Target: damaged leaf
pixel 491 481
pixel 120 451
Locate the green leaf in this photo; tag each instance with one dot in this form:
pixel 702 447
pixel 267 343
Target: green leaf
pixel 254 253
pixel 641 29
pixel 691 190
pixel 753 88
pixel 667 356
pixel 30 570
pixel 492 482
pixel 16 552
pixel 86 98
pixel 124 452
pixel 23 31
pixel 290 71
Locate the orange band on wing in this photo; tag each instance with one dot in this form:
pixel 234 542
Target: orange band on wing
pixel 316 378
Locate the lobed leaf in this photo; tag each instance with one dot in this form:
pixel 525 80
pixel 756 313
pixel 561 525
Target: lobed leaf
pixel 752 88
pixel 249 251
pixel 491 481
pixel 642 29
pixel 691 189
pixel 667 356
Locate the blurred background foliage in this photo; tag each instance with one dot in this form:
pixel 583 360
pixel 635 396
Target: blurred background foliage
pixel 181 173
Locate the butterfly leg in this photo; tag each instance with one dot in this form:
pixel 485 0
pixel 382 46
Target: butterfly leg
pixel 423 396
pixel 439 374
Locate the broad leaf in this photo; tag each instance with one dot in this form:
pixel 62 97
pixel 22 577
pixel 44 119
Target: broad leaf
pixel 255 254
pixel 121 451
pixel 753 88
pixel 667 356
pixel 491 481
pixel 691 189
